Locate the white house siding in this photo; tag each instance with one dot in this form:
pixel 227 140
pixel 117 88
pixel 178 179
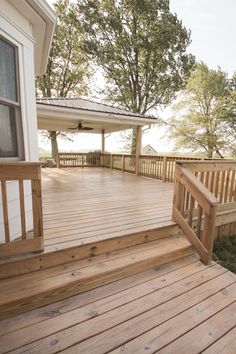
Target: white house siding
pixel 18 30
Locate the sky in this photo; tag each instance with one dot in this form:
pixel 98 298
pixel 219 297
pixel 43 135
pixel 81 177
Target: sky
pixel 213 33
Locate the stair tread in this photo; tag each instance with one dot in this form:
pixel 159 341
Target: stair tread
pixel 27 285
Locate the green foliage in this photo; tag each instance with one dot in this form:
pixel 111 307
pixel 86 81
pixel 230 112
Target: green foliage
pixel 225 253
pixel 204 116
pixel 68 69
pixel 141 47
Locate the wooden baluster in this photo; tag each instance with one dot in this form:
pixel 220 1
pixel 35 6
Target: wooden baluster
pixel 227 184
pixel 22 208
pixel 5 211
pixel 159 168
pixel 207 180
pixel 187 201
pixel 217 183
pixel 155 167
pixel 212 180
pixel 199 221
pixel 191 208
pixel 151 167
pixel 232 186
pixel 222 185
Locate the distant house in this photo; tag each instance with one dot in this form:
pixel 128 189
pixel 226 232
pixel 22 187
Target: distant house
pixel 148 150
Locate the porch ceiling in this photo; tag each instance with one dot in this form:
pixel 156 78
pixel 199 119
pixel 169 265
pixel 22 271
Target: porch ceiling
pixel 59 114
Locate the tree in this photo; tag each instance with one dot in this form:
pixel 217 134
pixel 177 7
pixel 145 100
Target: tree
pixel 203 115
pixel 229 117
pixel 68 70
pixel 52 136
pixel 141 47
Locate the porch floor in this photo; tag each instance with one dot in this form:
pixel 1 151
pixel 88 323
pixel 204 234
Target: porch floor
pixel 85 205
pixel 179 307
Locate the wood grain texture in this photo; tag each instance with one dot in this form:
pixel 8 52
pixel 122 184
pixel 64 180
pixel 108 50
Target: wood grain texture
pixel 45 286
pixel 173 306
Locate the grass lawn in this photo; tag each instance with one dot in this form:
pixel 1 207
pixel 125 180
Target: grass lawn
pixel 225 253
pixel 45 154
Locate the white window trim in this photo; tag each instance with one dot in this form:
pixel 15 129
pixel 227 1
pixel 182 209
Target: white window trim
pixel 18 103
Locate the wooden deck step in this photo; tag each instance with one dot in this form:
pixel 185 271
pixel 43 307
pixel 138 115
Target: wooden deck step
pixel 42 287
pixel 142 313
pixel 18 265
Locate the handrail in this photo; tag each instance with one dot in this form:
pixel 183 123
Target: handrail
pixel 204 198
pixel 190 195
pixel 200 193
pixel 218 177
pixel 21 172
pixel 208 165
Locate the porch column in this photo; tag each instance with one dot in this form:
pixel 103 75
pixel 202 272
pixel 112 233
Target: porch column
pixel 103 141
pixel 138 148
pixel 103 147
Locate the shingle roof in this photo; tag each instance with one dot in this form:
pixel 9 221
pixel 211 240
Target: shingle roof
pixel 87 105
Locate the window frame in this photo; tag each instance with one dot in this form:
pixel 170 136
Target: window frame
pixel 17 107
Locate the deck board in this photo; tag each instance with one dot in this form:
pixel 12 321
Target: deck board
pixel 92 204
pixel 161 309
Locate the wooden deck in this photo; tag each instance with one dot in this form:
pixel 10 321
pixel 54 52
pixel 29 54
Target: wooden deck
pixel 179 307
pixel 88 205
pixel 93 291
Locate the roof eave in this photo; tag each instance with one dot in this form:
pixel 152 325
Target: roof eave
pixel 71 113
pixel 42 18
pixel 49 16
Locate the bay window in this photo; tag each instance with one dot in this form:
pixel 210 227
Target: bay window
pixel 11 139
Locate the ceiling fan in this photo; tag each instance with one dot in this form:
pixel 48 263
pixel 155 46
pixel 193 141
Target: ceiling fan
pixel 80 127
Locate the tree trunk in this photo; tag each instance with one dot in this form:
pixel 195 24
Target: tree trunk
pixel 218 152
pixel 209 153
pixel 54 145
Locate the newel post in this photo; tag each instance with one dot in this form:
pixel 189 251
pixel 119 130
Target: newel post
pixel 111 161
pixel 37 205
pixel 58 161
pixel 164 169
pixel 123 163
pixel 178 198
pixel 209 231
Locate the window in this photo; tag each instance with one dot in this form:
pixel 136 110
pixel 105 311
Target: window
pixel 10 118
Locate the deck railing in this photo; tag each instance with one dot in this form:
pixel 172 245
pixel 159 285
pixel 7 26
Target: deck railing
pixel 16 174
pixel 157 167
pixel 75 159
pixel 204 198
